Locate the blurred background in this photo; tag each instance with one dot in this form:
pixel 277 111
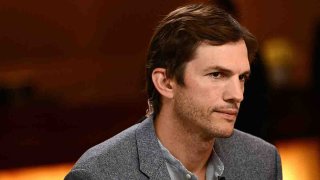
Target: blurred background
pixel 72 75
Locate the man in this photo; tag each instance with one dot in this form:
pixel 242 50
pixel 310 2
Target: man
pixel 197 65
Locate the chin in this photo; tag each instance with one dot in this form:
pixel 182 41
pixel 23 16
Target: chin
pixel 226 134
pixel 223 132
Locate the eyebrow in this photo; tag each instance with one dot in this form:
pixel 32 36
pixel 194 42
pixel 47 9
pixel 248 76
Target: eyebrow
pixel 225 70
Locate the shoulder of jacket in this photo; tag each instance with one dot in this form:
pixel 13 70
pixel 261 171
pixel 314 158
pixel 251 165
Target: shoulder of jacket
pixel 248 139
pixel 247 143
pixel 111 152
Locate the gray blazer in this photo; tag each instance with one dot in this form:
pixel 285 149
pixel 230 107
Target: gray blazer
pixel 135 154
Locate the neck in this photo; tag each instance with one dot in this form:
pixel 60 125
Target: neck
pixel 191 149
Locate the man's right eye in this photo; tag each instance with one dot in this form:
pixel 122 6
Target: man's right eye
pixel 215 74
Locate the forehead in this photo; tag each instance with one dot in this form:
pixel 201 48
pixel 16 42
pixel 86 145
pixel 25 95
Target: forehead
pixel 232 56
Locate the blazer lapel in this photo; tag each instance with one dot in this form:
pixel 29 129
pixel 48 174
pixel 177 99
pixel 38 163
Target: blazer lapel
pixel 150 157
pixel 218 148
pixel 224 148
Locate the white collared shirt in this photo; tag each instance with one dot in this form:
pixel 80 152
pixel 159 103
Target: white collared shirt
pixel 177 171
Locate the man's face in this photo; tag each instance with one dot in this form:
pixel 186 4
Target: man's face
pixel 214 79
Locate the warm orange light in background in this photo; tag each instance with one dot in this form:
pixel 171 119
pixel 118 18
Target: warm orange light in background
pixel 300 159
pixel 49 172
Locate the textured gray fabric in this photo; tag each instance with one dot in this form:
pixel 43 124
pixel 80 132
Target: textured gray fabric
pixel 136 154
pixel 247 157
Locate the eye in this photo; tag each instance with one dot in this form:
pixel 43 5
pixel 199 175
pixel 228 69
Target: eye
pixel 215 74
pixel 244 77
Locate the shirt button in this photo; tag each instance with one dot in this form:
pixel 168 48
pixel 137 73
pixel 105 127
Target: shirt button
pixel 188 176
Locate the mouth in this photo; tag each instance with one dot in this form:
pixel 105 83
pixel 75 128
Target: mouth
pixel 228 114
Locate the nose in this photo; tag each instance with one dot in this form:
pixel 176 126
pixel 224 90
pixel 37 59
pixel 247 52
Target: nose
pixel 234 90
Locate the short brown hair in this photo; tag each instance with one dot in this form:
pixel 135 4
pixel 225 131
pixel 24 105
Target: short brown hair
pixel 179 34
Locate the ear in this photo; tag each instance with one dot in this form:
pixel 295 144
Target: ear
pixel 162 83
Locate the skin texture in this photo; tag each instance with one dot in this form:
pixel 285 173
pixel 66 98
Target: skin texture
pixel 206 106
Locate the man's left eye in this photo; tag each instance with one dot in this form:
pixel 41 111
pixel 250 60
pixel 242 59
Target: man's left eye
pixel 243 77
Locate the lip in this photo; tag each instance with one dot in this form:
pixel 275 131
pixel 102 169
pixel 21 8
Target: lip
pixel 229 114
pixel 228 111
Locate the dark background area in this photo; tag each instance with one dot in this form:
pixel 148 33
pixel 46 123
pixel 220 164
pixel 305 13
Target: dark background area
pixel 72 73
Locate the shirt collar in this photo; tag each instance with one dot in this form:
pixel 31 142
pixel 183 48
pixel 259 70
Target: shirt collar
pixel 214 169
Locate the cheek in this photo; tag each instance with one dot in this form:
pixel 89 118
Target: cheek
pixel 210 92
pixel 204 90
pixel 206 97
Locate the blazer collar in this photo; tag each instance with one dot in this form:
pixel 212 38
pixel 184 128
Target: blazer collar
pixel 150 156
